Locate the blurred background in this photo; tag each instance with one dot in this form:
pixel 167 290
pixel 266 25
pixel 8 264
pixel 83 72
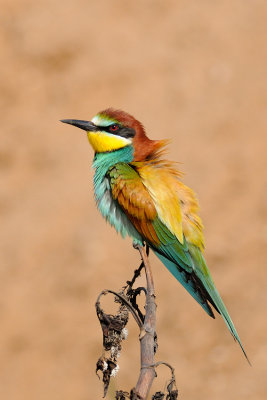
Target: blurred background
pixel 191 71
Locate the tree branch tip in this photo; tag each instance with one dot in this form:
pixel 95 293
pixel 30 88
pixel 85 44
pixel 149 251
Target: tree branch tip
pixel 113 326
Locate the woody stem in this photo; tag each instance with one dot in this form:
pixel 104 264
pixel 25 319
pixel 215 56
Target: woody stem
pixel 147 335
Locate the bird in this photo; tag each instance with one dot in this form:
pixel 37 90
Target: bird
pixel 142 196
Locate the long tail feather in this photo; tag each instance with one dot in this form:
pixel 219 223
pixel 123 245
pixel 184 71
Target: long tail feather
pixel 202 272
pixel 201 287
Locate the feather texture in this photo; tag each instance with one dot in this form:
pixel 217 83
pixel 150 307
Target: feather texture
pixel 164 212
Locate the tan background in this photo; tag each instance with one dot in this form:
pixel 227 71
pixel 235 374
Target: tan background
pixel 193 71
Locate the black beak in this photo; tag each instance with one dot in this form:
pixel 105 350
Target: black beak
pixel 85 125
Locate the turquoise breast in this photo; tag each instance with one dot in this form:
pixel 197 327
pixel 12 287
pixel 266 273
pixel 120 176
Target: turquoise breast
pixel 108 207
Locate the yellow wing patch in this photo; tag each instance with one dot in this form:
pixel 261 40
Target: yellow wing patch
pixel 176 204
pixel 192 224
pixel 161 183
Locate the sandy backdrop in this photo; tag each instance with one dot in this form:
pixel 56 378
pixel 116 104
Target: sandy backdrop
pixel 193 71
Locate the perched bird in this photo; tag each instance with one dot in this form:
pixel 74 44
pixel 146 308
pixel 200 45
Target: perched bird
pixel 141 195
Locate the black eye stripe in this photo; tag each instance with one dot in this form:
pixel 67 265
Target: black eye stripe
pixel 122 131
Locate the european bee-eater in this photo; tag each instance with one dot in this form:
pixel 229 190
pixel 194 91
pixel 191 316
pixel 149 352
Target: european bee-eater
pixel 141 195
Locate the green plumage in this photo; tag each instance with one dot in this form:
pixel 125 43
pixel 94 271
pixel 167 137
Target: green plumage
pixel 185 261
pixel 188 266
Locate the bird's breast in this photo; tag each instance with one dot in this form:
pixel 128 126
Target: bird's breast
pixel 110 210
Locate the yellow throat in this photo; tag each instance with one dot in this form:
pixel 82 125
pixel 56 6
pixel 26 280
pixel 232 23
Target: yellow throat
pixel 103 141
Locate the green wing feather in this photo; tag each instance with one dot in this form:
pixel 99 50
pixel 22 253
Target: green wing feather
pixel 184 260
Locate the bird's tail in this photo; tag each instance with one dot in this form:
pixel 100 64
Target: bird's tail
pixel 204 276
pixel 201 286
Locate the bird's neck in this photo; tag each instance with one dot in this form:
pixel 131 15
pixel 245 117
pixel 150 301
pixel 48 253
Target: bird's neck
pixel 103 161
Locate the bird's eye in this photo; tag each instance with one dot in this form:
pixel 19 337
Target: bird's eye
pixel 113 128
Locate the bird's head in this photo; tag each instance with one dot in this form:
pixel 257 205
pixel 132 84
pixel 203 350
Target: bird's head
pixel 111 130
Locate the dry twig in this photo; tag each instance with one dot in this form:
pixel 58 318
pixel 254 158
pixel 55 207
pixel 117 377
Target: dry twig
pixel 114 331
pixel 147 334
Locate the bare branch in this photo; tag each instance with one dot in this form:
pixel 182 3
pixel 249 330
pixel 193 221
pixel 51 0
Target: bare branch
pixel 147 335
pixel 114 332
pixel 137 273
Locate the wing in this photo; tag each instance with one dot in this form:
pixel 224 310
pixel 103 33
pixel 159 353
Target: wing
pixel 140 197
pixel 164 212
